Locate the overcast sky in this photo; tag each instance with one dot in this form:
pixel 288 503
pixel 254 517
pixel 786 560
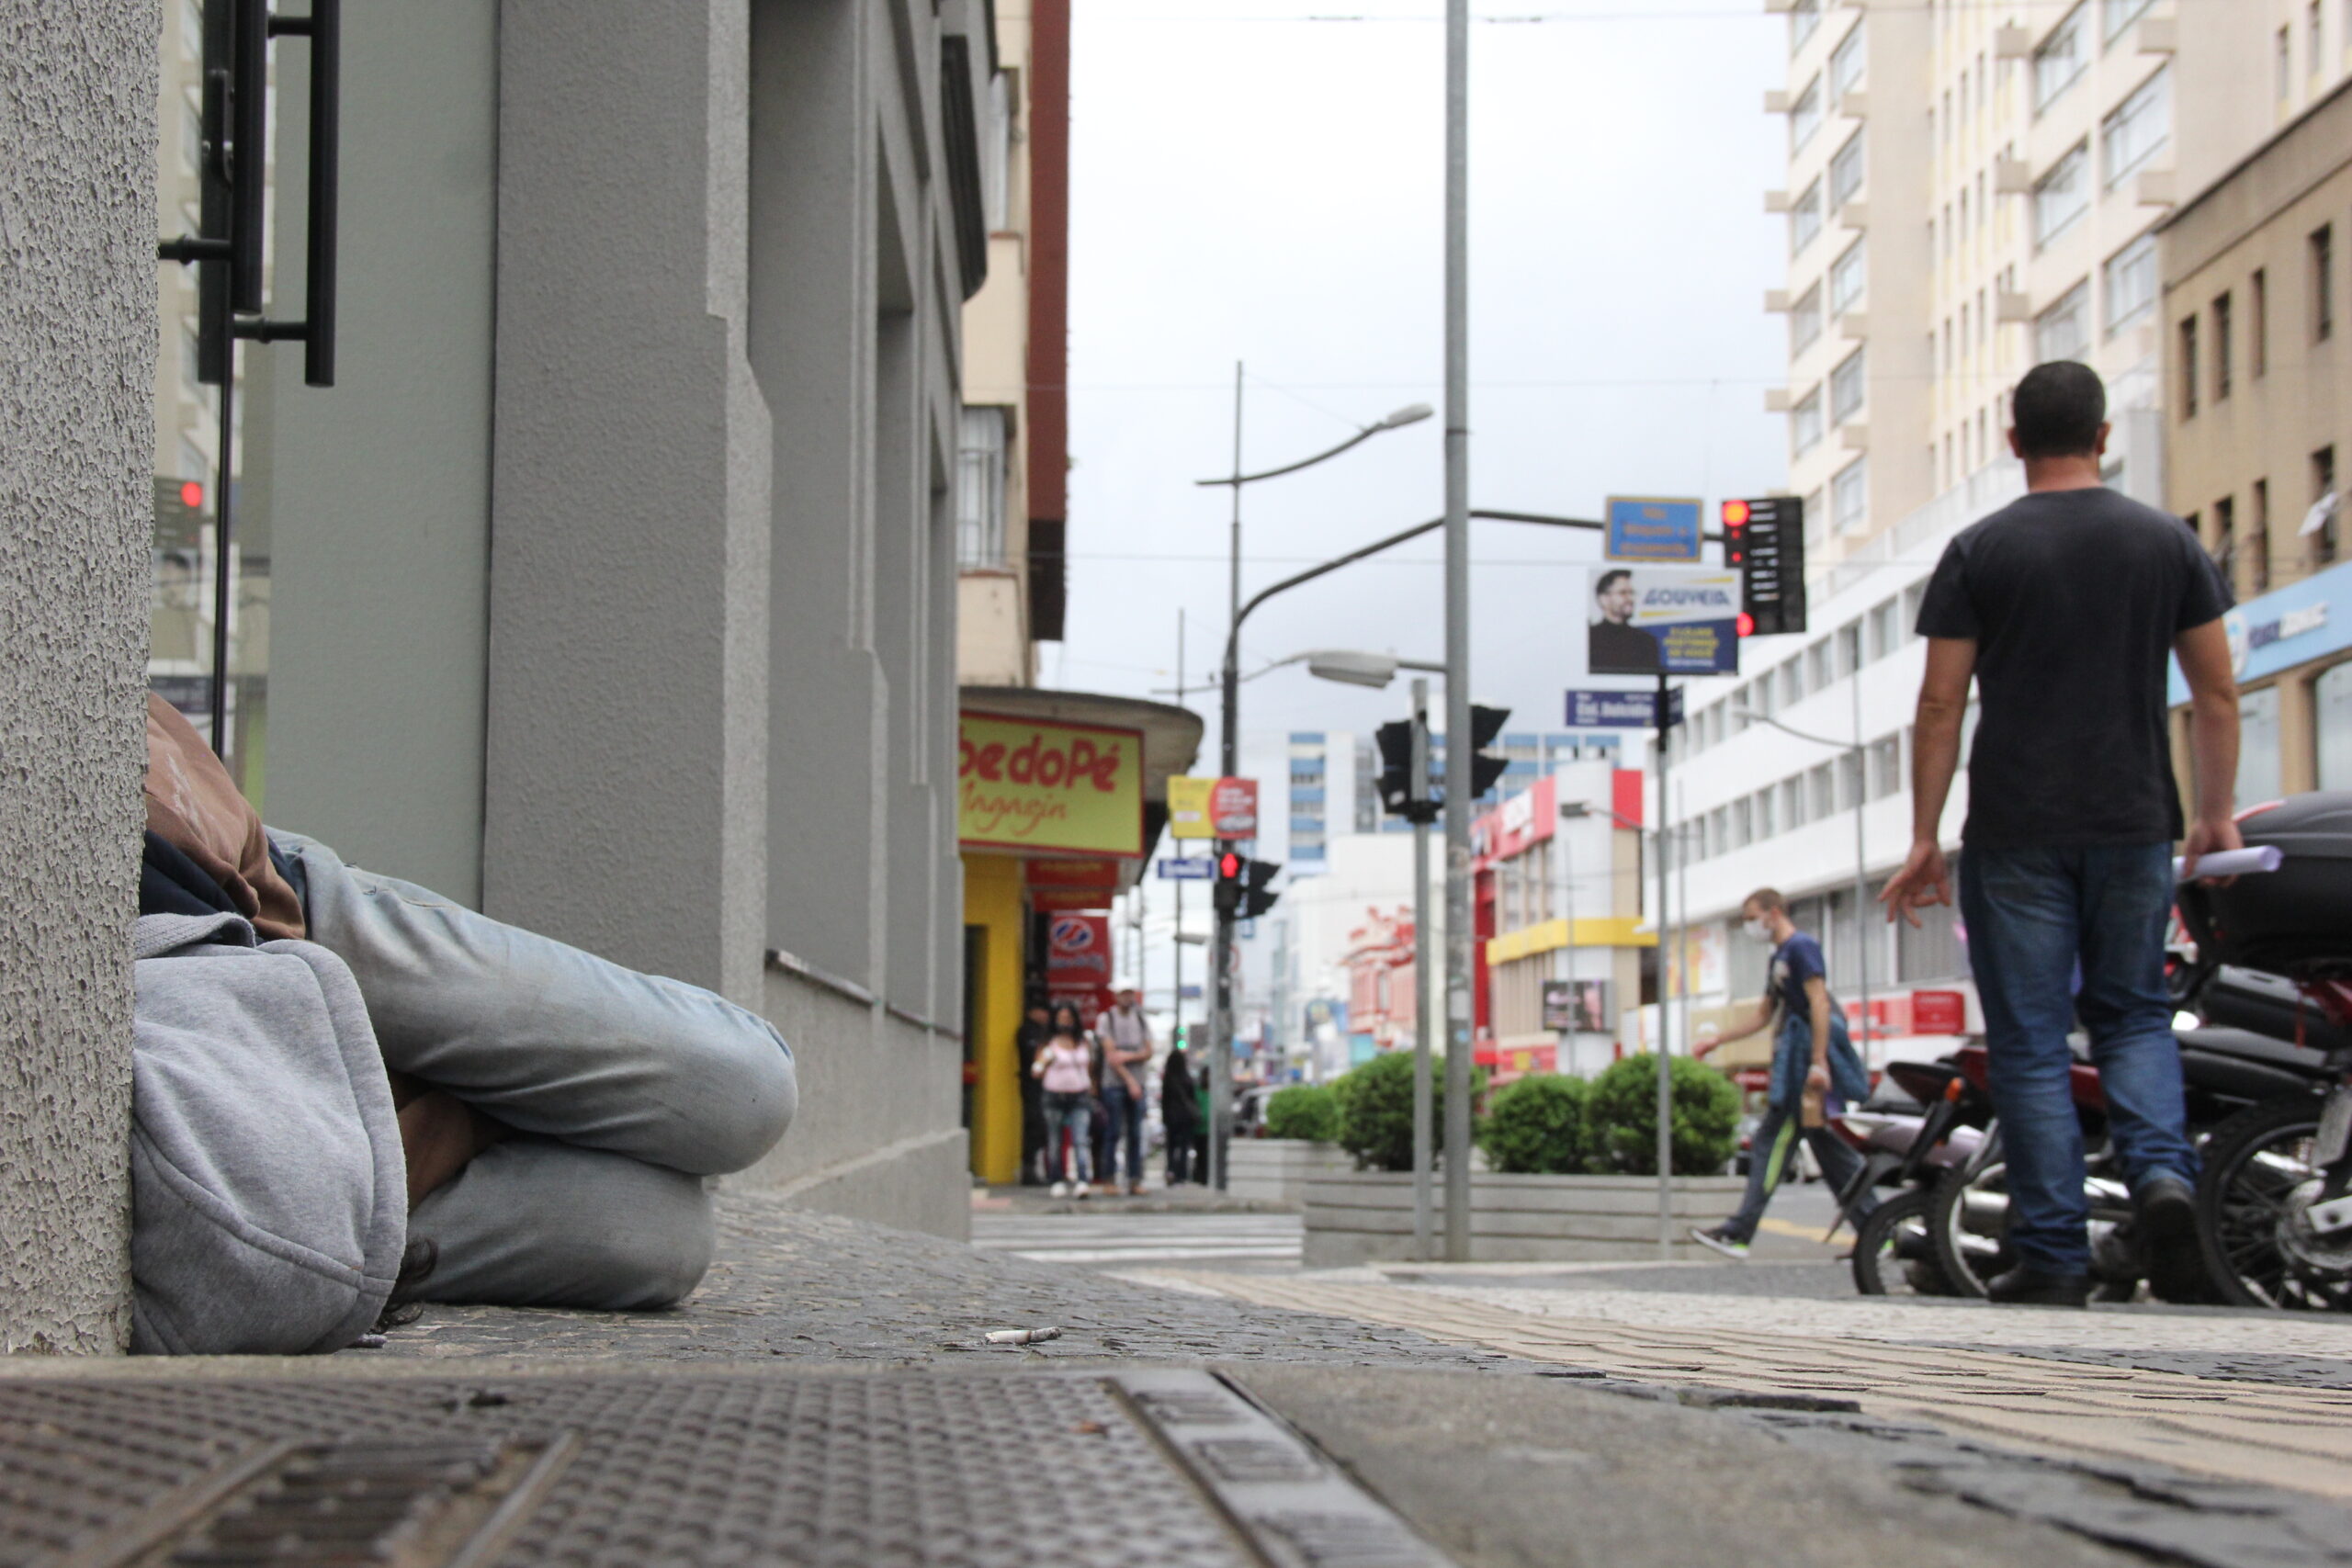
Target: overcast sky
pixel 1250 185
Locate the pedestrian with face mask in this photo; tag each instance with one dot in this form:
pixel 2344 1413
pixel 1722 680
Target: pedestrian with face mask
pixel 1813 1059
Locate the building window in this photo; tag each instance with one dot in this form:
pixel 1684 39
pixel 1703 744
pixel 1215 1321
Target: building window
pixel 2130 276
pixel 1743 823
pixel 2258 747
pixel 2332 726
pixel 1885 637
pixel 2060 62
pixel 1850 781
pixel 1805 218
pixel 1804 118
pixel 2188 368
pixel 2138 127
pixel 2311 66
pixel 1886 767
pixel 1846 65
pixel 1848 385
pixel 2061 196
pixel 1849 279
pixel 1804 423
pixel 1804 321
pixel 2258 349
pixel 1803 17
pixel 2257 540
pixel 2222 334
pixel 2282 87
pixel 1765 827
pixel 1791 804
pixel 1849 649
pixel 1850 497
pixel 2063 331
pixel 2320 523
pixel 2117 15
pixel 1846 172
pixel 1818 672
pixel 2323 249
pixel 1822 782
pixel 1792 682
pixel 980 488
pixel 2225 539
pixel 996 155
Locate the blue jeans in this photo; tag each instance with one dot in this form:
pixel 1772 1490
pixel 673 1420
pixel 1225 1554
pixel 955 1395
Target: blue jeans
pixel 1124 1111
pixel 2033 915
pixel 1073 1111
pixel 627 1090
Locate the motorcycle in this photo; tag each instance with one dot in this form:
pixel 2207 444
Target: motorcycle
pixel 2273 953
pixel 1895 1253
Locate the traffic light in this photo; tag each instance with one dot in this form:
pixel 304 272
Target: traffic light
pixel 1764 538
pixel 1396 741
pixel 1486 772
pixel 1241 890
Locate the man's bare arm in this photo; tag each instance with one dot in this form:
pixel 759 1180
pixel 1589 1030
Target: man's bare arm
pixel 2204 654
pixel 1935 758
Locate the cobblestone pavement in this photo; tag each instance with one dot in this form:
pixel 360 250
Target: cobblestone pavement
pixel 1879 1356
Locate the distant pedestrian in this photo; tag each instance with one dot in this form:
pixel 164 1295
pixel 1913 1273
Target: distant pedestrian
pixel 1180 1111
pixel 1812 1063
pixel 1035 1030
pixel 2064 606
pixel 1063 1069
pixel 1126 1062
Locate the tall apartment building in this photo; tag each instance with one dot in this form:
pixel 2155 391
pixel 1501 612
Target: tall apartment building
pixel 1972 189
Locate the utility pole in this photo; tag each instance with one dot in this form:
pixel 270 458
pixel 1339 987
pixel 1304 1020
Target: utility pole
pixel 1460 756
pixel 1220 1062
pixel 1665 840
pixel 1424 970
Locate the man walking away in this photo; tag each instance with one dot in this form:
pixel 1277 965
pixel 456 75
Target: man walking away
pixel 2063 606
pixel 1126 1059
pixel 1811 1054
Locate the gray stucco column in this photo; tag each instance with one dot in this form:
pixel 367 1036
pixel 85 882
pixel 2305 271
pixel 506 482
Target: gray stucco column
pixel 626 794
pixel 77 387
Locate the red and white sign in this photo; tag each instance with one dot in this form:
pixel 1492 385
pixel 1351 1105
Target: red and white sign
pixel 1523 821
pixel 1938 1012
pixel 1233 808
pixel 1077 958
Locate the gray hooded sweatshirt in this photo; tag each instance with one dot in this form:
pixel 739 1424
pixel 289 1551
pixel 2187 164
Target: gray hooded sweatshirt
pixel 269 1201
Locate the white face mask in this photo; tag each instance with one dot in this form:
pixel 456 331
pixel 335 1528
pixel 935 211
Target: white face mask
pixel 1756 928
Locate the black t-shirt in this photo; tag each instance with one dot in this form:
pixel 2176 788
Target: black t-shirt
pixel 2073 599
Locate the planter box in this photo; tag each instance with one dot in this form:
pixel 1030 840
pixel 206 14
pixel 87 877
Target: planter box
pixel 1365 1217
pixel 1276 1170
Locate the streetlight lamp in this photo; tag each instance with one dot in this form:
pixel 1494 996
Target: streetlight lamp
pixel 1229 758
pixel 1860 752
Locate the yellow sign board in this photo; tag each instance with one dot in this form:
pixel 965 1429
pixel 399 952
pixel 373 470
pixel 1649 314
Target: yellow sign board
pixel 1188 808
pixel 1040 784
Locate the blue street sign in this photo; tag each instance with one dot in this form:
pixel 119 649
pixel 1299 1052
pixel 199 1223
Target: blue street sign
pixel 1199 868
pixel 1622 710
pixel 1649 527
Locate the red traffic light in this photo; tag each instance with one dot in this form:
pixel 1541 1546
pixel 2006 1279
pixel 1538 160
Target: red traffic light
pixel 1736 514
pixel 1746 624
pixel 1228 866
pixel 192 494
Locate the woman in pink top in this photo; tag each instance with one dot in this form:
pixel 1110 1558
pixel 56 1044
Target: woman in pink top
pixel 1069 1081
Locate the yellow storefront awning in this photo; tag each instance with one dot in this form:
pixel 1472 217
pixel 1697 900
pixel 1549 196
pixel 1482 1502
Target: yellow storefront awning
pixel 1598 931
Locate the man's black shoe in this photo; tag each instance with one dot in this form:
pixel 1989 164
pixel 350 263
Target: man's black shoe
pixel 2165 1228
pixel 2031 1287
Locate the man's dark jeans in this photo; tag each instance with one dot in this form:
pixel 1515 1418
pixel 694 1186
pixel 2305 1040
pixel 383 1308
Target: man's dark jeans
pixel 2033 915
pixel 1124 1114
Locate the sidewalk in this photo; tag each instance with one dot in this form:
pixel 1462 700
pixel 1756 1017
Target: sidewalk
pixel 830 1396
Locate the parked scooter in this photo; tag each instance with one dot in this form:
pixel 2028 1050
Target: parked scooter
pixel 2275 1199
pixel 1895 1254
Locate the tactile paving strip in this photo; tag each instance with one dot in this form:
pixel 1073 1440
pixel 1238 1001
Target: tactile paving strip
pixel 826 1470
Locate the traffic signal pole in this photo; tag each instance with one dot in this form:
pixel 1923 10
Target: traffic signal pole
pixel 1664 838
pixel 1424 971
pixel 1220 1063
pixel 1461 802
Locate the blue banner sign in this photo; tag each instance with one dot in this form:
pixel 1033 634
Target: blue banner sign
pixel 1663 620
pixel 1651 527
pixel 1195 868
pixel 1622 710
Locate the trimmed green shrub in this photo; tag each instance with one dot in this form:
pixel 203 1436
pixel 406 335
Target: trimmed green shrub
pixel 1536 1126
pixel 1376 1109
pixel 1623 1115
pixel 1304 1111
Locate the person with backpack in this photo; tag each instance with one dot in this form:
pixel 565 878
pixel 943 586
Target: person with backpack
pixel 1126 1061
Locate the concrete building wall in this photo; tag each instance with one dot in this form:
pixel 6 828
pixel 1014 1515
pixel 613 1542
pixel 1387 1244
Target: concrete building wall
pixel 373 498
pixel 77 362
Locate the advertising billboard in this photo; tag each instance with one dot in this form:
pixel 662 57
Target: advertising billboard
pixel 1188 807
pixel 1578 1004
pixel 1233 808
pixel 1670 620
pixel 1039 784
pixel 1652 527
pixel 1078 959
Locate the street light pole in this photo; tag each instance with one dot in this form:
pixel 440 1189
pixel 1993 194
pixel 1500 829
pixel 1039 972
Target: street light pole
pixel 1424 1013
pixel 1459 754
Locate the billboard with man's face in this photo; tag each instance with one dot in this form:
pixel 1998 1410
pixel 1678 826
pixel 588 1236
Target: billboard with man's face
pixel 1670 620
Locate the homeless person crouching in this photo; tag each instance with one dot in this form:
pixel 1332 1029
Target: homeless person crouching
pixel 549 1117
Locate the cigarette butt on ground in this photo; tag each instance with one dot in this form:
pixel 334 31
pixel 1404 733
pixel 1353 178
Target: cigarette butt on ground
pixel 1023 1336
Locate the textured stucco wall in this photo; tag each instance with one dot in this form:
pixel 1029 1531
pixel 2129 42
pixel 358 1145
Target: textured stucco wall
pixel 77 356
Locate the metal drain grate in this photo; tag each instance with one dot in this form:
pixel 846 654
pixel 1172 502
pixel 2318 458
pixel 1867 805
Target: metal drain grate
pixel 826 1470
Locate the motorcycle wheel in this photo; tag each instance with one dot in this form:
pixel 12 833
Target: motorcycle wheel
pixel 1968 1214
pixel 1893 1255
pixel 2259 1179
